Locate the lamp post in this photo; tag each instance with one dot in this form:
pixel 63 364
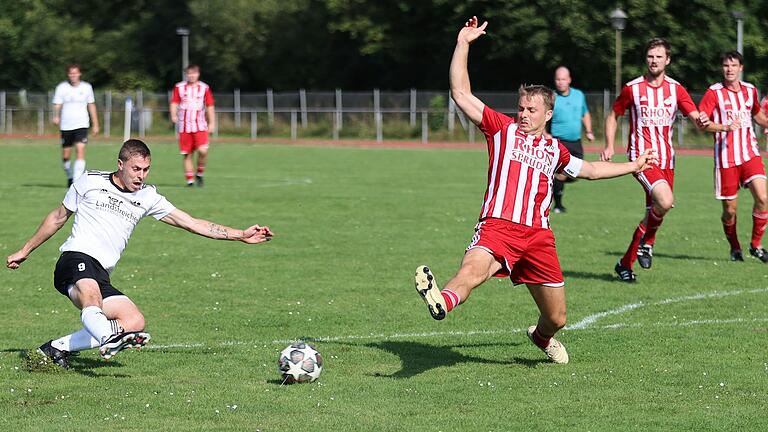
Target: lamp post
pixel 739 15
pixel 184 33
pixel 619 22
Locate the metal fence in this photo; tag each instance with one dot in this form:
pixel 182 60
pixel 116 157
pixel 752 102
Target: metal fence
pixel 379 115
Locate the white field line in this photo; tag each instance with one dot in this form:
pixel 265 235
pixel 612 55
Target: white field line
pixel 591 319
pixel 585 323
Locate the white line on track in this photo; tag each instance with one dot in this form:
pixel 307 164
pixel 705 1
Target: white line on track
pixel 583 324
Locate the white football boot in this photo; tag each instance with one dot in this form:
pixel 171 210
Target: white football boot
pixel 555 350
pixel 426 286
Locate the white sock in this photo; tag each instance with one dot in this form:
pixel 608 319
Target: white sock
pixel 96 323
pixel 77 341
pixel 67 165
pixel 79 169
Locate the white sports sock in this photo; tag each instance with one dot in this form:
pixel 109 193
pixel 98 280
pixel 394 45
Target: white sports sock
pixel 79 169
pixel 67 165
pixel 96 323
pixel 77 341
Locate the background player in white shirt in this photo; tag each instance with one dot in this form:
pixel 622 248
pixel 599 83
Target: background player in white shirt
pixel 107 206
pixel 73 104
pixel 512 238
pixel 732 104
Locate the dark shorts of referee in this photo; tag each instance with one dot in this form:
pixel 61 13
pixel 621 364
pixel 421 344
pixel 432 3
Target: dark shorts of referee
pixel 574 147
pixel 71 137
pixel 73 266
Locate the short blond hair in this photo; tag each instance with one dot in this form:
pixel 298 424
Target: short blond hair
pixel 545 93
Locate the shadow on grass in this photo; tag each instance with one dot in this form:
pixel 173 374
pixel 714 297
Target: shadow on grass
pixel 417 357
pixel 604 276
pixel 618 255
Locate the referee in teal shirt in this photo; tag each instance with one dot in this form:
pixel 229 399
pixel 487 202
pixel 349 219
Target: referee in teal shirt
pixel 569 115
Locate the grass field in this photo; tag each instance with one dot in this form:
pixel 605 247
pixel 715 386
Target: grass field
pixel 683 349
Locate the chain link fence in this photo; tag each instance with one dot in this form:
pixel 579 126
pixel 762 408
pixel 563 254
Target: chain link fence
pixel 404 115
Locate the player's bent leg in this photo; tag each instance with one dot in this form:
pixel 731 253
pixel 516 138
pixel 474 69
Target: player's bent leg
pixel 552 308
pixel 662 200
pixel 130 333
pixel 477 266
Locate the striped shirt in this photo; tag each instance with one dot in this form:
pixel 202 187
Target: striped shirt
pixel 652 116
pixel 723 106
pixel 192 100
pixel 520 171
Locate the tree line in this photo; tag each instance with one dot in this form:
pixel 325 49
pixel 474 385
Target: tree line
pixel 362 44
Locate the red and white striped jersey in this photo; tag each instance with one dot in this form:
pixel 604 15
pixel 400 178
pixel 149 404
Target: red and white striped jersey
pixel 723 106
pixel 652 116
pixel 520 171
pixel 192 100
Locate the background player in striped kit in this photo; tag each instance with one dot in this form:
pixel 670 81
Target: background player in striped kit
pixel 512 238
pixel 731 105
pixel 191 103
pixel 74 110
pixel 653 100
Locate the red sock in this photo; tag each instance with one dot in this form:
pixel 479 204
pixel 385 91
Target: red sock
pixel 759 218
pixel 653 223
pixel 451 299
pixel 190 176
pixel 540 340
pixel 631 255
pixel 730 234
pixel 200 170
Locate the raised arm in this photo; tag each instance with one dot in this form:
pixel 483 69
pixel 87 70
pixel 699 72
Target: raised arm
pixel 252 235
pixel 50 225
pixel 461 90
pixel 603 169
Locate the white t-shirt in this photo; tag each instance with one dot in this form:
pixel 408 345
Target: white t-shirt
pixel 74 102
pixel 106 215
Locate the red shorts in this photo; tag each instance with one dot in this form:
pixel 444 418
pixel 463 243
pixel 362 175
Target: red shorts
pixel 191 141
pixel 728 180
pixel 527 255
pixel 653 176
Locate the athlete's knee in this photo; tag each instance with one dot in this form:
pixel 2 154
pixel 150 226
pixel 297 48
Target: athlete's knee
pixel 133 322
pixel 663 204
pixel 729 213
pixel 85 294
pixel 557 319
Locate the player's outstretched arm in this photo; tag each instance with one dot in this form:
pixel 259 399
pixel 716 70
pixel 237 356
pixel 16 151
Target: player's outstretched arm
pixel 461 90
pixel 252 235
pixel 50 225
pixel 603 169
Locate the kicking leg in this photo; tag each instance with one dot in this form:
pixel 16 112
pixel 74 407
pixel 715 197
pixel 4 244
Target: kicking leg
pixel 477 267
pixel 551 304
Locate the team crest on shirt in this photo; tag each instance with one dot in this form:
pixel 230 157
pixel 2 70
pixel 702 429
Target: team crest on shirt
pixel 668 101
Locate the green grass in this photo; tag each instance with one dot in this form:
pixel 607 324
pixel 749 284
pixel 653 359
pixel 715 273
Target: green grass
pixel 351 225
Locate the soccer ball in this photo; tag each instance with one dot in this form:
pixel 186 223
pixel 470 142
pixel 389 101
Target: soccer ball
pixel 299 363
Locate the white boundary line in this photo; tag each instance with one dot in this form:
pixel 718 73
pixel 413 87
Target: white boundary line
pixel 585 323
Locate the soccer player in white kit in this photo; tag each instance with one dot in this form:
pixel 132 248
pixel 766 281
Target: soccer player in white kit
pixel 512 238
pixel 732 104
pixel 74 109
pixel 107 206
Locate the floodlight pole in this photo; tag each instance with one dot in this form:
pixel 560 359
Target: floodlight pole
pixel 619 22
pixel 739 15
pixel 184 33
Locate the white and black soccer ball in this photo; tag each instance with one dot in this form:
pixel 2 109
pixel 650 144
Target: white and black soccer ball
pixel 300 363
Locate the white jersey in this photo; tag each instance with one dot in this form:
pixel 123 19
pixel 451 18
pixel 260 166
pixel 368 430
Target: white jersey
pixel 74 102
pixel 106 215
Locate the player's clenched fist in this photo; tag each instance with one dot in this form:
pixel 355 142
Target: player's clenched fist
pixel 257 234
